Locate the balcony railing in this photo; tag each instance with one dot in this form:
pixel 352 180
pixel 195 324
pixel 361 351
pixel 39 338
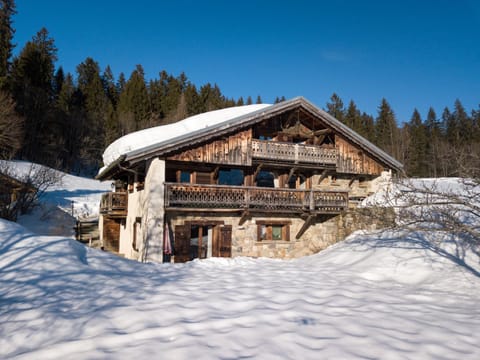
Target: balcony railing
pixel 114 204
pixel 221 197
pixel 297 153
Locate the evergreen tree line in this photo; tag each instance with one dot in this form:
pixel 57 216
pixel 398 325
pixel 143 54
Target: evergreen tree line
pixel 66 120
pixel 448 145
pixel 69 119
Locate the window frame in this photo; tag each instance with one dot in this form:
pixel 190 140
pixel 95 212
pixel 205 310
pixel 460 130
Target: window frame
pixel 269 225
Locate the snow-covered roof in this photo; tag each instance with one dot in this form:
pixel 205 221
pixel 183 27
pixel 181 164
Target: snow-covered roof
pixel 168 133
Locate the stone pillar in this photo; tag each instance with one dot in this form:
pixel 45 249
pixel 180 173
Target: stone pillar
pixel 154 211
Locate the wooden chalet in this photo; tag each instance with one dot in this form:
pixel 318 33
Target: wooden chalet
pixel 272 181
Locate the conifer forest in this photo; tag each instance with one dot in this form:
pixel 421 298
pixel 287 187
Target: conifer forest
pixel 66 120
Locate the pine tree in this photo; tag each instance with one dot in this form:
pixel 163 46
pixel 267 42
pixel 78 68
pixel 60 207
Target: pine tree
pixel 367 127
pixel 335 107
pixel 94 104
pixel 417 148
pixel 192 99
pixel 58 81
pixel 259 100
pixel 7 10
pixel 109 86
pixel 173 88
pixel 386 131
pixel 476 125
pixel 249 100
pixel 240 101
pixel 434 135
pixel 212 97
pixel 70 118
pixel 353 118
pixel 464 123
pixel 134 103
pixel 32 84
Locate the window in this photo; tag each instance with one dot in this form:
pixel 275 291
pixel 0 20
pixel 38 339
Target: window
pixel 230 177
pixel 137 233
pixel 265 179
pixel 184 176
pixel 273 231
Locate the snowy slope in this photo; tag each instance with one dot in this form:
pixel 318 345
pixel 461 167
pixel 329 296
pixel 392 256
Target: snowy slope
pixel 73 197
pixel 376 296
pixel 365 298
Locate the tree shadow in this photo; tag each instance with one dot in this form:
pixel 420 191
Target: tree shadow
pixel 46 281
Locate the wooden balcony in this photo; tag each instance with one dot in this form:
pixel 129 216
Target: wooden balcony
pixel 228 198
pixel 293 153
pixel 114 204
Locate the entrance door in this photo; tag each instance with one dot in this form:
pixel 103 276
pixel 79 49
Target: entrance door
pixel 200 241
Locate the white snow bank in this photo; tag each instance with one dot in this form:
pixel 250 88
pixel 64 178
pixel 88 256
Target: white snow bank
pixel 369 297
pixel 143 138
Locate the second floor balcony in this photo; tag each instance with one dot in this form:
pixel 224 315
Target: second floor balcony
pixel 223 198
pixel 293 153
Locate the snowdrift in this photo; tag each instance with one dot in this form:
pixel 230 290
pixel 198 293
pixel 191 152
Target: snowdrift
pixel 373 296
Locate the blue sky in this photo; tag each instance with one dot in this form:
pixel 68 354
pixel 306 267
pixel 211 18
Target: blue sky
pixel 416 54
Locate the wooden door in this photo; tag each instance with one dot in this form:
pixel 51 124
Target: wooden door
pixel 111 235
pixel 225 241
pixel 182 243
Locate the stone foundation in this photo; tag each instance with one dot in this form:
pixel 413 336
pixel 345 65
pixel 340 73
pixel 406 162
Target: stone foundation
pixel 325 231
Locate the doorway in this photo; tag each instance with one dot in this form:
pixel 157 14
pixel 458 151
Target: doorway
pixel 201 240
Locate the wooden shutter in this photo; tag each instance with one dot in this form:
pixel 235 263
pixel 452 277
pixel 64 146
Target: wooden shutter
pixel 226 241
pixel 182 243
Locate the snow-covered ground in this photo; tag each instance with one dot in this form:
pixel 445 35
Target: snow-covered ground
pixel 375 296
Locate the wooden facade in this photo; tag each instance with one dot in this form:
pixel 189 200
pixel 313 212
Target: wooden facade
pixel 287 167
pixel 231 150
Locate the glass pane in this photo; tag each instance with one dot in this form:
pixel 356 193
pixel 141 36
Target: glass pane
pixel 232 177
pixel 263 232
pixel 276 232
pixel 185 177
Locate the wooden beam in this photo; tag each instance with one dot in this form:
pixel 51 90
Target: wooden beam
pixel 215 173
pixel 290 174
pixel 305 226
pixel 323 132
pixel 244 217
pixel 352 180
pixel 257 170
pixel 323 175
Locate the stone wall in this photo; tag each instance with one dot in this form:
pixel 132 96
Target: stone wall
pixel 325 231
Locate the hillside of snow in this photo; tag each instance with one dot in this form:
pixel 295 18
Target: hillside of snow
pixel 376 295
pixel 71 198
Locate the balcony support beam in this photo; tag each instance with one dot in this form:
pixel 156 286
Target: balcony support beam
pixel 305 226
pixel 323 176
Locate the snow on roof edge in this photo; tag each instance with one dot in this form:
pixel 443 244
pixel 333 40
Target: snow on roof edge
pixel 167 133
